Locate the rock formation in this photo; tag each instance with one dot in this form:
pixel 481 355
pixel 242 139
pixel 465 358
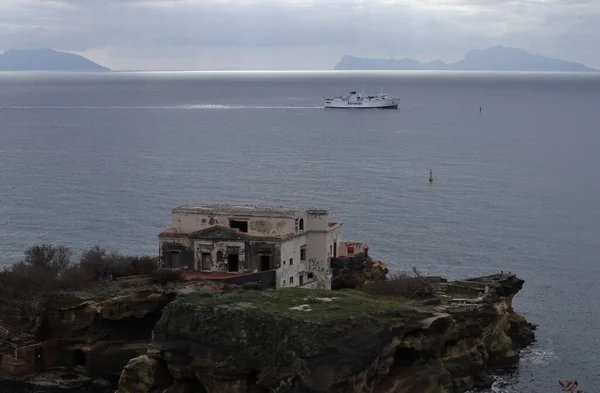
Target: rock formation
pixel 100 331
pixel 356 271
pixel 301 341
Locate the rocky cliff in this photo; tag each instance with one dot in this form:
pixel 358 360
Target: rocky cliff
pixel 100 331
pixel 302 341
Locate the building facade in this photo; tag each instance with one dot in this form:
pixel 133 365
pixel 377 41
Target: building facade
pixel 296 243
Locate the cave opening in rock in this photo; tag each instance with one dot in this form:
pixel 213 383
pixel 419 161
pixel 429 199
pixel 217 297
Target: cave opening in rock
pixel 450 343
pixel 192 385
pixel 407 357
pixel 133 329
pixel 79 358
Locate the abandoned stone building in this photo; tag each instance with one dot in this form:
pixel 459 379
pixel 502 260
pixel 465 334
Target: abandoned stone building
pixel 296 244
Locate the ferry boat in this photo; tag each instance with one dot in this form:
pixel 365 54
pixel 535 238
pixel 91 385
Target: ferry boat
pixel 357 100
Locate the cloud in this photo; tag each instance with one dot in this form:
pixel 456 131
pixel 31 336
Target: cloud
pixel 203 33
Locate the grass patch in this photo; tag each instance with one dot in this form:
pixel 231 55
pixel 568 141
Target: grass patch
pixel 252 330
pixel 348 304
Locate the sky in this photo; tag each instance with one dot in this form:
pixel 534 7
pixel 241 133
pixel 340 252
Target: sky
pixel 296 34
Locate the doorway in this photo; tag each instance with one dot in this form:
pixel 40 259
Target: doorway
pixel 39 362
pixel 265 262
pixel 206 261
pixel 174 259
pixel 79 358
pixel 233 261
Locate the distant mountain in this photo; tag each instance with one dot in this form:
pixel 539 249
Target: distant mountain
pixel 46 60
pixel 498 58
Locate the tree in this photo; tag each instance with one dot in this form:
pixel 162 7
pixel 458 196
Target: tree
pixel 48 259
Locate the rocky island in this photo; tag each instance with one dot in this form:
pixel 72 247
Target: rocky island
pixel 160 332
pixel 294 340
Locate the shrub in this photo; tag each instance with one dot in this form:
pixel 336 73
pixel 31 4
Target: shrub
pixel 53 260
pixel 163 277
pixel 48 268
pixel 101 264
pixel 403 285
pixel 38 273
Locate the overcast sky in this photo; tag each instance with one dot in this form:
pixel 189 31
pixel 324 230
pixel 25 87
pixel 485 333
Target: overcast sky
pixel 296 34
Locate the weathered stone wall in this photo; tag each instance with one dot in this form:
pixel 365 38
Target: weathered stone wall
pixel 219 251
pixel 257 226
pixel 181 245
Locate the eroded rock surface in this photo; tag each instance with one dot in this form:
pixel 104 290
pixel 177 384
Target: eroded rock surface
pixel 256 342
pixel 100 331
pixel 356 271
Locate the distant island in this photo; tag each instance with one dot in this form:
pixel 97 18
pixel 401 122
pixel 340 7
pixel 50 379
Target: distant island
pixel 498 58
pixel 46 60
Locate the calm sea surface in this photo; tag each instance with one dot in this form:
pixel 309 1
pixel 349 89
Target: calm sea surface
pixel 103 158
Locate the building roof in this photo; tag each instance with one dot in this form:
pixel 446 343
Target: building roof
pixel 246 210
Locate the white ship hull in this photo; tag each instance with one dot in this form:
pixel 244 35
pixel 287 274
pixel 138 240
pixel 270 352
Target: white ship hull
pixel 380 104
pixel 356 100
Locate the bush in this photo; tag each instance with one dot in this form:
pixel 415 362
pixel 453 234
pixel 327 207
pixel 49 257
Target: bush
pixel 403 285
pixel 101 264
pixel 48 268
pixel 163 277
pixel 38 273
pixel 53 260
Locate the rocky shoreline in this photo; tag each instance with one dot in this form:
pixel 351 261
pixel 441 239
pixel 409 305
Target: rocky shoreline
pixel 322 341
pixel 207 337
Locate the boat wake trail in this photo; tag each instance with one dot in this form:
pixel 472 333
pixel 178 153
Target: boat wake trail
pixel 216 106
pixel 200 106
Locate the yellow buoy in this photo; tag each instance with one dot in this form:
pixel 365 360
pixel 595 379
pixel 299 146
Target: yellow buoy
pixel 431 175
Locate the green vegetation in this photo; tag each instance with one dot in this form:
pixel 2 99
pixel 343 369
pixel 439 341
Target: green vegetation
pixel 252 330
pixel 48 269
pixel 346 304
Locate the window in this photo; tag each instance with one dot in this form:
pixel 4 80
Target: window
pixel 220 256
pixel 301 224
pixel 291 261
pixel 303 253
pixel 309 276
pixel 291 279
pixel 283 282
pixel 241 226
pixel 296 225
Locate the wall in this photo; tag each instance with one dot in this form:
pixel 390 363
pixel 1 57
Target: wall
pixel 318 258
pixel 255 249
pixel 16 367
pixel 257 226
pixel 355 262
pixel 213 247
pixel 334 239
pixel 343 249
pixel 317 220
pixel 174 243
pixel 266 280
pixel 291 250
pixel 25 363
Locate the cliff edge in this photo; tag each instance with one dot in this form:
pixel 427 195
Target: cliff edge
pixel 301 341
